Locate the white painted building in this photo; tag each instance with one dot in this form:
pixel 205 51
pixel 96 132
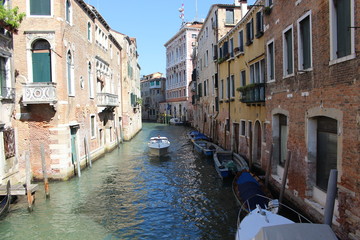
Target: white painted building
pixel 179 68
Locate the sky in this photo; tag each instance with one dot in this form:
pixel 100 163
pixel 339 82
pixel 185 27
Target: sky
pixel 152 23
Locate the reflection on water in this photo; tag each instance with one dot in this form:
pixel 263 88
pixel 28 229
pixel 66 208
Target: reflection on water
pixel 130 195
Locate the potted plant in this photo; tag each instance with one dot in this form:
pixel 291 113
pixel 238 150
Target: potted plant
pixel 10 19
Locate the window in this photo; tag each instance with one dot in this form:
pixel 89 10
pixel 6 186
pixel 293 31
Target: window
pixel 288 63
pixel 231 47
pixel 232 86
pixel 193 36
pixel 249 133
pixel 91 82
pixel 68 11
pixel 259 24
pixel 229 16
pixel 5 90
pixel 250 32
pixel 242 128
pixel 243 78
pixel 41 61
pixel 270 61
pixel 205 87
pixel 89 31
pixel 69 70
pixel 200 90
pixel 92 126
pixel 268 3
pixel 241 41
pixel 40 7
pixel 341 36
pixel 228 88
pixel 305 45
pixel 257 72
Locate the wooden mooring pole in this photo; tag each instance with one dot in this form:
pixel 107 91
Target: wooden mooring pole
pixel 330 197
pixel 283 183
pixel 43 163
pixel 268 168
pixel 28 182
pixel 87 150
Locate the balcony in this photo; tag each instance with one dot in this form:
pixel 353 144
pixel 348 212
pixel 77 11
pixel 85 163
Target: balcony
pixel 107 100
pixel 253 93
pixel 7 93
pixel 39 93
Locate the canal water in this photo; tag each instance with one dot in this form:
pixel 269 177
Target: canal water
pixel 130 195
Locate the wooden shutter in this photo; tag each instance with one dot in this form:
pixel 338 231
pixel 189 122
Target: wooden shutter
pixel 271 60
pixel 40 7
pixel 306 44
pixel 343 22
pixel 41 67
pixel 241 41
pixel 289 52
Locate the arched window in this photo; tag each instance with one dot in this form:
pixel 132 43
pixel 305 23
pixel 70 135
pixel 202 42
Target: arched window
pixel 69 71
pixel 68 11
pixel 41 61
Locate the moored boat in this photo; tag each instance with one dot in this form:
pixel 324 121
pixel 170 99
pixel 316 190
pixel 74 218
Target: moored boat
pixel 248 189
pixel 5 202
pixel 175 121
pixel 228 163
pixel 196 135
pixel 264 223
pixel 205 147
pixel 158 146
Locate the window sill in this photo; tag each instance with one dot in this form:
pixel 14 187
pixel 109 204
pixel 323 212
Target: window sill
pixel 343 59
pixel 302 71
pixel 288 76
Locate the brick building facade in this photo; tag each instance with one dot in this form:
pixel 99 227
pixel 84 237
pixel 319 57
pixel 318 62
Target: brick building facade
pixel 312 104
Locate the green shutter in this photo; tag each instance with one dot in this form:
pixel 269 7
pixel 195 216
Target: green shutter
pixel 41 67
pixel 343 22
pixel 289 53
pixel 40 7
pixel 306 44
pixel 271 60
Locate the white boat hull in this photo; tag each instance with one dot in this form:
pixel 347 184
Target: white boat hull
pixel 158 146
pixel 158 151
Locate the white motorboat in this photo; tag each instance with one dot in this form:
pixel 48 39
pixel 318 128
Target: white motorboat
pixel 266 223
pixel 175 121
pixel 158 145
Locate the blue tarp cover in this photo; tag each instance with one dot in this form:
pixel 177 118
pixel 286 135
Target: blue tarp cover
pixel 248 189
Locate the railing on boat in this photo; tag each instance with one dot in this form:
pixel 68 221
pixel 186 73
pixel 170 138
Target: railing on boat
pixel 273 205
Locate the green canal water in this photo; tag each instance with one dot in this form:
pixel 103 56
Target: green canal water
pixel 129 195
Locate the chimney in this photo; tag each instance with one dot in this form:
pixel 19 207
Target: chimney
pixel 244 7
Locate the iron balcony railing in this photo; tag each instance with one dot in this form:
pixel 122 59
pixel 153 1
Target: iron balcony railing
pixel 7 93
pixel 39 93
pixel 253 93
pixel 107 100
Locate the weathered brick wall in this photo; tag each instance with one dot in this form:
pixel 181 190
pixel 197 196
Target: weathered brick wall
pixel 50 125
pixel 329 89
